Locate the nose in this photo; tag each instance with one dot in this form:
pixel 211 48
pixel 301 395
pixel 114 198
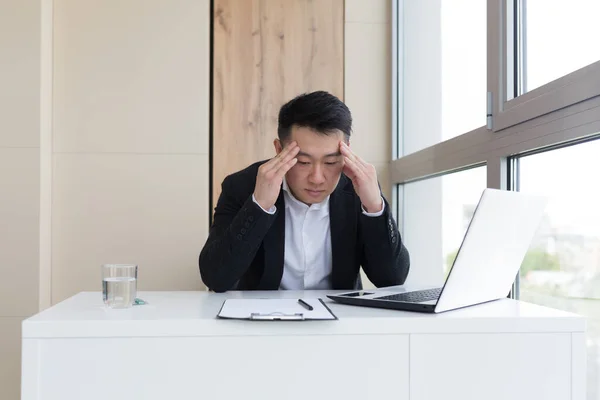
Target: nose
pixel 316 176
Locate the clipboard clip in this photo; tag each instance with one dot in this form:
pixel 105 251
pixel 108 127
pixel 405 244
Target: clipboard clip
pixel 277 316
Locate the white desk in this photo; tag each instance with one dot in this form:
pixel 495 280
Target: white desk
pixel 175 348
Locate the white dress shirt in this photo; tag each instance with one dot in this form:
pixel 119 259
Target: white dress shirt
pixel 307 252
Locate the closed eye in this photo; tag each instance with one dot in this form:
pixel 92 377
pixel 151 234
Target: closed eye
pixel 303 162
pixel 331 162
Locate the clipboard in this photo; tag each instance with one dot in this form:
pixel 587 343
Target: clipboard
pixel 275 310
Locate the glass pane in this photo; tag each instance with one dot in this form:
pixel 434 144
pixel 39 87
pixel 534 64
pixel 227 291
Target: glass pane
pixel 444 71
pixel 562 268
pixel 436 214
pixel 561 37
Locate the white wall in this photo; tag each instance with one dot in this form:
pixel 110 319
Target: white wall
pixel 367 82
pixel 368 85
pixel 421 126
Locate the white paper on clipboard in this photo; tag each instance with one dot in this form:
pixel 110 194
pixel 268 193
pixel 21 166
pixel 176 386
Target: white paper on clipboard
pixel 275 309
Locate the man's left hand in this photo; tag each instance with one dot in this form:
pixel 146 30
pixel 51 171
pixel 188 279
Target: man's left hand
pixel 364 179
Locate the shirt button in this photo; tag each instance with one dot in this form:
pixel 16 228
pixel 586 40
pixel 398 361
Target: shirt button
pixel 239 237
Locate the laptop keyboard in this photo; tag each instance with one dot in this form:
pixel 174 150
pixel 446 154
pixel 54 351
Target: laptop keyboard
pixel 414 297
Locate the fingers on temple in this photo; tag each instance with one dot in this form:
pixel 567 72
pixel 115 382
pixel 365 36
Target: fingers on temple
pixel 283 157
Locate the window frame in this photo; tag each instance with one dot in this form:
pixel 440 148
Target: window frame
pixel 526 126
pixel 560 113
pixel 505 53
pixel 530 126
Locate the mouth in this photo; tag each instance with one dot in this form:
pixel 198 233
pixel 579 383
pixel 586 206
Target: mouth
pixel 315 193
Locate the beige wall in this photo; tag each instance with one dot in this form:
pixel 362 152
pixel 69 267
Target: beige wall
pixel 368 82
pixel 367 86
pixel 130 141
pixel 116 155
pixel 121 155
pixel 19 180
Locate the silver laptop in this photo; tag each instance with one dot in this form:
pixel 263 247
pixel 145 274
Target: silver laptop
pixel 485 267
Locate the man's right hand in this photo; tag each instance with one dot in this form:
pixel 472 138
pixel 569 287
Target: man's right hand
pixel 270 176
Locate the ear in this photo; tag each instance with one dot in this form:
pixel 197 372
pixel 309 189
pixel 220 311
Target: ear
pixel 278 146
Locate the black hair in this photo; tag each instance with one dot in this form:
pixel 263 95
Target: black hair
pixel 320 111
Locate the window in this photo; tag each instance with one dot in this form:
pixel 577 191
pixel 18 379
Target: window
pixel 550 57
pixel 562 267
pixel 560 37
pixel 539 64
pixel 437 214
pixel 444 70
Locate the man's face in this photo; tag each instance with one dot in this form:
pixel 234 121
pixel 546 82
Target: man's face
pixel 319 166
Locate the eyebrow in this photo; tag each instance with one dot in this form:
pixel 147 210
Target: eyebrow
pixel 336 154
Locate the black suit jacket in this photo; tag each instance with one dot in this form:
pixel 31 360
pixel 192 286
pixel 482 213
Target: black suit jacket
pixel 245 246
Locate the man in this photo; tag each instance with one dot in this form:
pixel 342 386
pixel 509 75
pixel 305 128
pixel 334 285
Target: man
pixel 307 218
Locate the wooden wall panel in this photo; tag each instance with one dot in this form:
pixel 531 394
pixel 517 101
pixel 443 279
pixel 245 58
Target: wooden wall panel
pixel 265 53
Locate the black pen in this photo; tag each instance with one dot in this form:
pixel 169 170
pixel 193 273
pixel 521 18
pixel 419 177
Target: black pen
pixel 305 305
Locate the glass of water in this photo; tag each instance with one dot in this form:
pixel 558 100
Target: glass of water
pixel 119 285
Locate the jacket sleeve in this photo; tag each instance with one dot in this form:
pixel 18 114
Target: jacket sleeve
pixel 384 258
pixel 234 238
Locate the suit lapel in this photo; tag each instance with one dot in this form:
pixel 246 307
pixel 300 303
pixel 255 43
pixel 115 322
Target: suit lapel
pixel 274 245
pixel 343 233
